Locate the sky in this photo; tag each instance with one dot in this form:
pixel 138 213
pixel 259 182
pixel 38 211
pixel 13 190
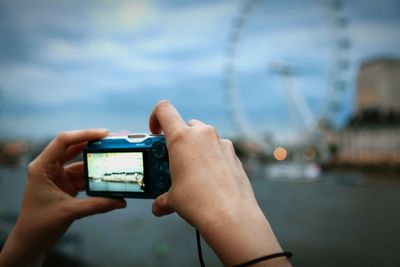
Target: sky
pixel 82 64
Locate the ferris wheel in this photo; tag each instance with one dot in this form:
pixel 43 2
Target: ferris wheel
pixel 310 121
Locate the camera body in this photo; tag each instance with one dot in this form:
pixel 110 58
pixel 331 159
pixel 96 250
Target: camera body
pixel 130 166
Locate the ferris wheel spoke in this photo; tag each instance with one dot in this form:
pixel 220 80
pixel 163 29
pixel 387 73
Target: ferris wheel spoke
pixel 340 44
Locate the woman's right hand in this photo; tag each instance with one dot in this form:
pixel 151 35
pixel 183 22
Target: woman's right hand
pixel 211 191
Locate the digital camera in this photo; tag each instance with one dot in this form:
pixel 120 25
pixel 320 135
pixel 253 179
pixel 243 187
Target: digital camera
pixel 131 166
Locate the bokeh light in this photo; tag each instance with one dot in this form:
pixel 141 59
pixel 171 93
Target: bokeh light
pixel 280 153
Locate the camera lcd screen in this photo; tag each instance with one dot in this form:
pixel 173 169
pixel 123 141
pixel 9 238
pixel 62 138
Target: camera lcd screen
pixel 116 171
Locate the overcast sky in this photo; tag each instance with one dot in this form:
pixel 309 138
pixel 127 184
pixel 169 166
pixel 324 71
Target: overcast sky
pixel 79 64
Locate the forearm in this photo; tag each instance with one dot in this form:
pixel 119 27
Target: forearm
pixel 19 253
pixel 243 236
pixel 211 190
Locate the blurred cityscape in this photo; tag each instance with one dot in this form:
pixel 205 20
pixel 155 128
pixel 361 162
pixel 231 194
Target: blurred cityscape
pixel 369 140
pixel 329 185
pixel 370 137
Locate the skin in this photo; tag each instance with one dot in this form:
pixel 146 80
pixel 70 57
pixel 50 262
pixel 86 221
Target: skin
pixel 49 206
pixel 210 190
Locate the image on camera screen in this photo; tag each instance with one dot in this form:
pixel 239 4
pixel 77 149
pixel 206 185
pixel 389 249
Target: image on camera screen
pixel 116 171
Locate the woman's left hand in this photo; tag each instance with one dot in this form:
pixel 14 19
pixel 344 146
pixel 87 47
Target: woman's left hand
pixel 49 206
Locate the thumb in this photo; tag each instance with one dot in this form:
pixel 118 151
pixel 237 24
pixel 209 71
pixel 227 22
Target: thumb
pixel 94 205
pixel 161 206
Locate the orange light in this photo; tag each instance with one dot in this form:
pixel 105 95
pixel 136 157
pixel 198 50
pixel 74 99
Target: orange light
pixel 280 153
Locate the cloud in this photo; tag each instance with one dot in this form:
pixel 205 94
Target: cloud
pixel 375 38
pixel 111 56
pixel 113 53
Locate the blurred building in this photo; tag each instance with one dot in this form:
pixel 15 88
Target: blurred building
pixel 372 135
pixel 378 86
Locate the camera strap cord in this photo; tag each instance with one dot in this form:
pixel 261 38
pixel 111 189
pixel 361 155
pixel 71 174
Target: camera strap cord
pixel 286 254
pixel 199 252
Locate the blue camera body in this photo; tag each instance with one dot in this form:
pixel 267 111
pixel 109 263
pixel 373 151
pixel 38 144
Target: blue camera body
pixel 131 166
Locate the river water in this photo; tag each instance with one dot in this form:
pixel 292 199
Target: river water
pixel 344 218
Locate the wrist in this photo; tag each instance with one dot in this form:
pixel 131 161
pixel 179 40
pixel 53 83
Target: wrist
pixel 17 251
pixel 239 235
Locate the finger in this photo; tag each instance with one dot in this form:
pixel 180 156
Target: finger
pixel 161 207
pixel 93 205
pixel 76 175
pixel 75 170
pixel 72 152
pixel 79 185
pixel 229 154
pixel 165 118
pixel 228 147
pixel 59 146
pixel 195 123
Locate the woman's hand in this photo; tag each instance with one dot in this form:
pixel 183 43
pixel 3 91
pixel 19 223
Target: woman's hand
pixel 49 206
pixel 211 191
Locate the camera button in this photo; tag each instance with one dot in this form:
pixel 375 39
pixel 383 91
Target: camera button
pixel 161 181
pixel 157 165
pixel 159 150
pixel 164 165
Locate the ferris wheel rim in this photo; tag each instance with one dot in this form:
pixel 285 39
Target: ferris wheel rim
pixel 238 117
